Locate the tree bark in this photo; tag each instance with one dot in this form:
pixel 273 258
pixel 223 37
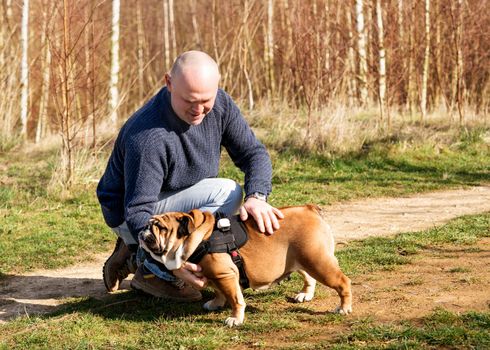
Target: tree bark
pixel 172 30
pixel 460 92
pixel 269 50
pixel 24 70
pixel 361 52
pixel 46 75
pixel 425 73
pixel 140 42
pixel 114 79
pixel 351 62
pixel 166 35
pixel 382 63
pixel 195 25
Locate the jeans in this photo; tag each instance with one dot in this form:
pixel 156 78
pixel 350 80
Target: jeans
pixel 210 194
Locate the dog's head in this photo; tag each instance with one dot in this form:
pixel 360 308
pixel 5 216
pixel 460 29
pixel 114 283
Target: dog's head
pixel 171 238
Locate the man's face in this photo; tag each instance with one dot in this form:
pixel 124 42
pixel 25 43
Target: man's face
pixel 192 97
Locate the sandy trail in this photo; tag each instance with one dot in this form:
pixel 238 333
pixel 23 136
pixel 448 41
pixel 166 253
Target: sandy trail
pixel 41 291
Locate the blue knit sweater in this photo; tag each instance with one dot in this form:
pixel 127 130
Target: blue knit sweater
pixel 156 151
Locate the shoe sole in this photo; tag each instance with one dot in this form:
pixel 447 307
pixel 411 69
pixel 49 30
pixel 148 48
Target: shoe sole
pixel 118 243
pixel 135 285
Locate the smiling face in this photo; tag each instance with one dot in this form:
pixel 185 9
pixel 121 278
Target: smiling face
pixel 193 85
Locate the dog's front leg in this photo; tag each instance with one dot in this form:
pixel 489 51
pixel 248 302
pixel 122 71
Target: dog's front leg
pixel 224 275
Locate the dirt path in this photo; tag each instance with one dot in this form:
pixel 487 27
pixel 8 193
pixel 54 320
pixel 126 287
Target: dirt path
pixel 43 290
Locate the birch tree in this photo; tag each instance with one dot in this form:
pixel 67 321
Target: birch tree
pixel 166 34
pixel 351 61
pixel 114 79
pixel 382 61
pixel 46 75
pixel 140 37
pixel 425 72
pixel 458 82
pixel 173 32
pixel 361 53
pixel 24 69
pixel 269 49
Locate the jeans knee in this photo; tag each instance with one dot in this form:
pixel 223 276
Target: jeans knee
pixel 231 196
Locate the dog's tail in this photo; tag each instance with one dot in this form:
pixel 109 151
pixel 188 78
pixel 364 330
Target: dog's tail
pixel 314 207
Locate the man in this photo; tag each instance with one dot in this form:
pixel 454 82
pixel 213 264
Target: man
pixel 166 158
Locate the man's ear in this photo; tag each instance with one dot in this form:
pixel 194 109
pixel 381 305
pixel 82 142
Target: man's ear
pixel 186 225
pixel 168 82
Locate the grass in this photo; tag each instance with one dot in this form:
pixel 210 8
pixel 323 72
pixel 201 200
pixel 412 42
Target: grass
pixel 128 321
pixel 361 257
pixel 441 329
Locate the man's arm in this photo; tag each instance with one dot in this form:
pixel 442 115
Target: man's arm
pixel 144 174
pixel 250 155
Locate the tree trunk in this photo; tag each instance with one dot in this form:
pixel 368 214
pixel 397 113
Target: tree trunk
pixel 402 55
pixel 269 50
pixel 24 70
pixel 113 89
pixel 195 25
pixel 172 30
pixel 166 35
pixel 411 94
pixel 66 87
pixel 459 63
pixel 361 52
pixel 351 62
pixel 140 37
pixel 382 63
pixel 46 75
pixel 425 73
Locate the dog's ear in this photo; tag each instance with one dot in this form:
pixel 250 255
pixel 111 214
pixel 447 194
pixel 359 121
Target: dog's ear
pixel 197 217
pixel 186 225
pixel 202 230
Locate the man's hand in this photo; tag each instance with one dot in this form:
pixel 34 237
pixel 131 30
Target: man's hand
pixel 265 215
pixel 191 274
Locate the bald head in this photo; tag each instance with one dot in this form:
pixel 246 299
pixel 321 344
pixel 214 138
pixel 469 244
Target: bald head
pixel 193 85
pixel 196 63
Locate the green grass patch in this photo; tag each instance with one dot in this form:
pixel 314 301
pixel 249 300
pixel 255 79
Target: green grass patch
pixel 385 253
pixel 441 329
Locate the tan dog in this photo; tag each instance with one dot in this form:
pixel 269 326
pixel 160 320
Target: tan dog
pixel 304 243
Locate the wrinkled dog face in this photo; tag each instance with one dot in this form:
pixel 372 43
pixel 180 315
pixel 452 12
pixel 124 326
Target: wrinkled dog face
pixel 164 238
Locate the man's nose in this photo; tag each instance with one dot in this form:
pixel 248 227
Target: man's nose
pixel 197 108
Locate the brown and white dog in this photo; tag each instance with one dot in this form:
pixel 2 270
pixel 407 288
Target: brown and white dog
pixel 304 243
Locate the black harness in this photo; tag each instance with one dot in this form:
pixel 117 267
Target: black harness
pixel 228 236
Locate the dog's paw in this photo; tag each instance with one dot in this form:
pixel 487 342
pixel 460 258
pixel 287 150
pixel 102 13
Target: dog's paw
pixel 233 322
pixel 303 297
pixel 343 310
pixel 212 305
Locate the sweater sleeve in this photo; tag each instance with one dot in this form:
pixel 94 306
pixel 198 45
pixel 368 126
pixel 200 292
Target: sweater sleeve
pixel 246 151
pixel 144 169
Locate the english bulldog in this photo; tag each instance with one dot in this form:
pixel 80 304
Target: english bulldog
pixel 304 243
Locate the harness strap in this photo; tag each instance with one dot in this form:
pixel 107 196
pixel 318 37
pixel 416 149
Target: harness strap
pixel 238 261
pixel 225 240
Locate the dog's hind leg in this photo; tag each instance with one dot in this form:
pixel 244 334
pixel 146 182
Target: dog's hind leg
pixel 327 271
pixel 308 290
pixel 218 302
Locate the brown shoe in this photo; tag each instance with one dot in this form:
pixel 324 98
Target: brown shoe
pixel 119 265
pixel 150 284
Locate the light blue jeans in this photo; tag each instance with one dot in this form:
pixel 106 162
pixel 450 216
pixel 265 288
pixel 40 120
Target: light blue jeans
pixel 212 194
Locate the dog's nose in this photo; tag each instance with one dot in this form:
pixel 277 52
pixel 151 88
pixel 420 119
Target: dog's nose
pixel 144 235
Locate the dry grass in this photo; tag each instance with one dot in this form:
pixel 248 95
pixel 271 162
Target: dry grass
pixel 338 130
